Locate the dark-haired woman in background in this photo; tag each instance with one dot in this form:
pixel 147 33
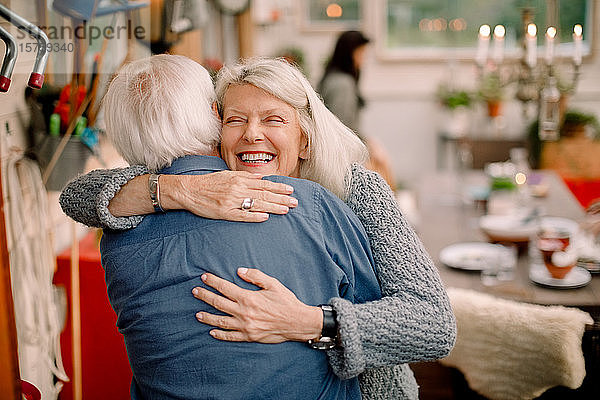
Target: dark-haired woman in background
pixel 339 85
pixel 341 94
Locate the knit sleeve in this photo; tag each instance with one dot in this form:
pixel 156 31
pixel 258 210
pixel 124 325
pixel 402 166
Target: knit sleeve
pixel 414 320
pixel 86 198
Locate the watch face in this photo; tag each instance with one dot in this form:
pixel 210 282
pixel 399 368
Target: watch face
pixel 233 6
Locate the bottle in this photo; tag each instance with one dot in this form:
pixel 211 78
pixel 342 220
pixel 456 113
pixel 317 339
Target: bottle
pixel 54 125
pixel 518 157
pixel 549 111
pixel 80 126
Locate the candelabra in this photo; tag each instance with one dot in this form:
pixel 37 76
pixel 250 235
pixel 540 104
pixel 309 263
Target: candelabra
pixel 535 84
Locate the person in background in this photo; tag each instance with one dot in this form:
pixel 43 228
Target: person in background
pixel 375 340
pixel 340 90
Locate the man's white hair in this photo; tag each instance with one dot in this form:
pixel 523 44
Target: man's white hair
pixel 332 147
pixel 159 108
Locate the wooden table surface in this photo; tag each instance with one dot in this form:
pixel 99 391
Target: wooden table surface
pixel 446 218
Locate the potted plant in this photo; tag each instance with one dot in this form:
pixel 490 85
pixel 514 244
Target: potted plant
pixel 453 98
pixel 575 122
pixel 295 55
pixel 491 90
pixel 457 103
pixel 575 154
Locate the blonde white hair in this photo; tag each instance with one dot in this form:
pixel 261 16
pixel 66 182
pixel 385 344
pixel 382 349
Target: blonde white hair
pixel 158 109
pixel 332 147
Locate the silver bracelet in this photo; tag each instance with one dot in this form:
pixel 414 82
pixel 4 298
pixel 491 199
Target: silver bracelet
pixel 154 190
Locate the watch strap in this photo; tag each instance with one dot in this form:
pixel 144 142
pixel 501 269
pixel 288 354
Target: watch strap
pixel 330 327
pixel 329 331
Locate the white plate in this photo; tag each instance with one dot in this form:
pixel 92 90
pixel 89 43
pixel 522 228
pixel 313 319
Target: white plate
pixel 472 256
pixel 577 277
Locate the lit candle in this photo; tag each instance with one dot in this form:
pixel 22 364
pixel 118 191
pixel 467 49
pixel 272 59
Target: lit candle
pixel 483 45
pixel 499 33
pixel 577 36
pixel 531 44
pixel 550 34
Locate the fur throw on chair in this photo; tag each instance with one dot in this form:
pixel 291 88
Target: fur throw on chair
pixel 512 350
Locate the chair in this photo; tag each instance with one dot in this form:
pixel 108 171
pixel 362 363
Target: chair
pixel 509 350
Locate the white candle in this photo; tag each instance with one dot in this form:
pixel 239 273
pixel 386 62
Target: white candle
pixel 550 34
pixel 531 45
pixel 577 37
pixel 483 45
pixel 499 33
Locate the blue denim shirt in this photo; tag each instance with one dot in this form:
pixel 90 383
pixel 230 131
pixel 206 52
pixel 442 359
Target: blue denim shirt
pixel 319 250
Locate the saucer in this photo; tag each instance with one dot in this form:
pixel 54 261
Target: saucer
pixel 590 264
pixel 577 277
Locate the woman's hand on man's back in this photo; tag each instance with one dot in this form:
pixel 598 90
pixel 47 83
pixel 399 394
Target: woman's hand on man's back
pixel 272 314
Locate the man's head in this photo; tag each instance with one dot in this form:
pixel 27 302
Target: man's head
pixel 159 108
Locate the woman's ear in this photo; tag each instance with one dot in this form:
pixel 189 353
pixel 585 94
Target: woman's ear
pixel 303 148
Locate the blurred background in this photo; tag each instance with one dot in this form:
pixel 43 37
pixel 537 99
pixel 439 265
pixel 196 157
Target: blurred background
pixel 445 85
pixel 426 78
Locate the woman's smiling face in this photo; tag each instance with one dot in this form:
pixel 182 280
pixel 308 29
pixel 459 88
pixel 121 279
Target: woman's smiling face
pixel 261 133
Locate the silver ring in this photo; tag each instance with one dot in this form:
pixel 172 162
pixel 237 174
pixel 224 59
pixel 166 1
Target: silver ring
pixel 247 204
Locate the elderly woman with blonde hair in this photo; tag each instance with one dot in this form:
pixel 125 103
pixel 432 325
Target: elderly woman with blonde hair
pixel 375 340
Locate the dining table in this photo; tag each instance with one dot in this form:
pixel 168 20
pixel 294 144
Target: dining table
pixel 450 204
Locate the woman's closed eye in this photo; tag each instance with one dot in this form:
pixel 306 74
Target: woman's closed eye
pixel 274 120
pixel 234 121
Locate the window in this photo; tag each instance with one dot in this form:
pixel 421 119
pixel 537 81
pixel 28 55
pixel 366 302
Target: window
pixel 332 14
pixel 437 27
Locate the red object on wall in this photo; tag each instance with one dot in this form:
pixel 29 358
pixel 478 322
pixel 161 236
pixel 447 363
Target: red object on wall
pixel 105 368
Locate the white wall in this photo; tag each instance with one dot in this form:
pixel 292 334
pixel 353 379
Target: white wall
pixel 402 112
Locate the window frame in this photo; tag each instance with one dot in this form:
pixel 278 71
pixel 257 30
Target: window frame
pixel 383 53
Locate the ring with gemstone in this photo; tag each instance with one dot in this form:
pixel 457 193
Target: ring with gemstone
pixel 247 204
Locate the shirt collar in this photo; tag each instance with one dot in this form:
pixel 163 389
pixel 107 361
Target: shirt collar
pixel 187 164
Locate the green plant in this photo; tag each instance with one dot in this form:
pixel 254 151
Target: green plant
pixel 491 87
pixel 571 117
pixel 453 98
pixel 577 117
pixel 294 55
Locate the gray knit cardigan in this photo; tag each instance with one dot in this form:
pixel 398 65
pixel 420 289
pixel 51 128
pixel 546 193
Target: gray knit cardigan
pixel 412 322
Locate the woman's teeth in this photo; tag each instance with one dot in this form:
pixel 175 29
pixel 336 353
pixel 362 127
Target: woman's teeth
pixel 256 157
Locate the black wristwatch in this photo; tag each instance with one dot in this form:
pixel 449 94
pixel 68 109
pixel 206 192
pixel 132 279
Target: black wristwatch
pixel 329 332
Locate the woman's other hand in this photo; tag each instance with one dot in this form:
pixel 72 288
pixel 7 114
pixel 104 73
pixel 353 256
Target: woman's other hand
pixel 219 195
pixel 270 315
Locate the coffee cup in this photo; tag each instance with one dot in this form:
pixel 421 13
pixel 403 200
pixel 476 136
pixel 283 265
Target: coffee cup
pixel 562 262
pixel 553 244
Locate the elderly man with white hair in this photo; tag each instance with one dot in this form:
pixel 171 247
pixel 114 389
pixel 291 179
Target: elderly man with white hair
pixel 158 114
